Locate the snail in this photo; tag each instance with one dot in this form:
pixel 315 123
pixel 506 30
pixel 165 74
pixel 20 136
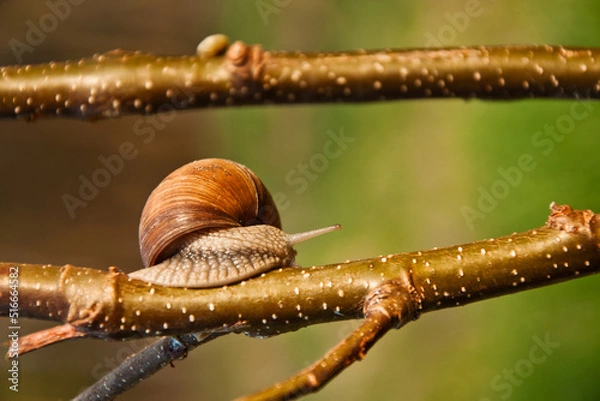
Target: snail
pixel 211 223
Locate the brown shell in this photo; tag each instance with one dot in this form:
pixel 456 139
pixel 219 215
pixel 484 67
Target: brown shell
pixel 205 194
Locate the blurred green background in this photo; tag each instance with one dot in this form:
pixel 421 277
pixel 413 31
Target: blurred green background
pixel 402 185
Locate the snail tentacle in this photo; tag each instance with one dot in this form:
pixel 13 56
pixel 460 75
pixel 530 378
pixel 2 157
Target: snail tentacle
pixel 294 239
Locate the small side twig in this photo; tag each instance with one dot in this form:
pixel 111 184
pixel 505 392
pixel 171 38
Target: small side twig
pixel 390 306
pixel 50 336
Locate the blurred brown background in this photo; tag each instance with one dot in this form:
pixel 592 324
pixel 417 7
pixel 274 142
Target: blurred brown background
pixel 400 186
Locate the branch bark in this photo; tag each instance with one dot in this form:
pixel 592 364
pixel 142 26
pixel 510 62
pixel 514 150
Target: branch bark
pixel 122 82
pixel 387 291
pixel 110 305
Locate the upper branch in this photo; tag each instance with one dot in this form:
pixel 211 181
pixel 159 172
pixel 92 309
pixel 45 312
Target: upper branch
pixel 121 82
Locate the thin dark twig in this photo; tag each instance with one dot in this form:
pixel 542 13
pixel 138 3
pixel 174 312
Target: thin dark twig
pixel 142 365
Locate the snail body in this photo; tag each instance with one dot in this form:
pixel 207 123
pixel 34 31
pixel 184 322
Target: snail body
pixel 212 223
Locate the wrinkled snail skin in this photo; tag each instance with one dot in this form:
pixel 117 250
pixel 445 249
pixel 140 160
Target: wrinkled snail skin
pixel 225 256
pixel 213 223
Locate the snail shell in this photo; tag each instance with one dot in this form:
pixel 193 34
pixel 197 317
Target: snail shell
pixel 212 222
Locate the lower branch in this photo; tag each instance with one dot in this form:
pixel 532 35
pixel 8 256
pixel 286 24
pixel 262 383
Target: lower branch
pixel 112 305
pixel 387 291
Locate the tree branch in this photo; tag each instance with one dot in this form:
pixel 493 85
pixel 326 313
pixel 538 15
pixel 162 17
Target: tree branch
pixel 123 82
pixel 387 291
pixel 110 305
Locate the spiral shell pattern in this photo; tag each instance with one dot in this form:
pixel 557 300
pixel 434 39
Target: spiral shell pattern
pixel 202 195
